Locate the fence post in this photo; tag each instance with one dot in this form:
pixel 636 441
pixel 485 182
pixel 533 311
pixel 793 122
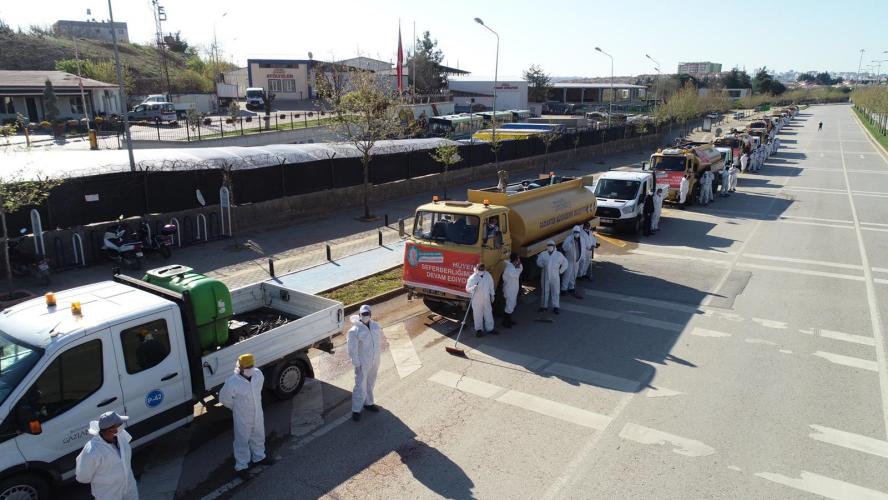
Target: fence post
pixel 198 129
pixel 187 131
pixel 158 130
pixel 271 267
pixel 329 257
pixel 379 233
pixel 305 119
pixel 241 122
pixel 386 220
pixel 319 118
pixel 275 122
pixel 222 127
pixel 291 122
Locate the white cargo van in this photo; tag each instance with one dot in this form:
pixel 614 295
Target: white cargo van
pixel 620 197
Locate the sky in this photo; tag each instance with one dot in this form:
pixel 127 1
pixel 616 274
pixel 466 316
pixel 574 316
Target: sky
pixel 559 36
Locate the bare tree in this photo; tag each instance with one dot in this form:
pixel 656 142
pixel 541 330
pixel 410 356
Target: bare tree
pixel 446 155
pixel 548 139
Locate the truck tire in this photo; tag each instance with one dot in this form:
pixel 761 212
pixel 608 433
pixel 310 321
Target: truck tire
pixel 288 378
pixel 636 226
pixel 24 487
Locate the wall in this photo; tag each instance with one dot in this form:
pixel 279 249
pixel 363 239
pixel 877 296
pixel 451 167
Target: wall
pixel 509 94
pixel 296 70
pixel 92 30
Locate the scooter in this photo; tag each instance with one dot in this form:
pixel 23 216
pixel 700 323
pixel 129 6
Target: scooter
pixel 122 247
pixel 25 264
pixel 161 243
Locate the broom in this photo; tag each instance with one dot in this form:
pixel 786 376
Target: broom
pixel 456 351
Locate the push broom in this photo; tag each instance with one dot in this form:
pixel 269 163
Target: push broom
pixel 456 351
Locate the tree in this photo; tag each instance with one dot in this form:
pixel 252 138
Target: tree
pixel 764 83
pixel 16 193
pixel 101 70
pixel 50 102
pixel 539 83
pixel 735 79
pixel 548 139
pixel 364 113
pixel 823 78
pixel 267 101
pixel 430 77
pixel 233 110
pixel 176 43
pixel 447 155
pixel 806 77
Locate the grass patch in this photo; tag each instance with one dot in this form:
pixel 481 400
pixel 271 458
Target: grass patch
pixel 872 129
pixel 370 286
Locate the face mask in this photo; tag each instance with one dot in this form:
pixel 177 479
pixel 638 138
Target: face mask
pixel 248 372
pixel 550 249
pixel 576 236
pixel 365 319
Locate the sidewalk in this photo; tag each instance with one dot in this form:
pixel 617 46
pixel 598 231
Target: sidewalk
pixel 244 259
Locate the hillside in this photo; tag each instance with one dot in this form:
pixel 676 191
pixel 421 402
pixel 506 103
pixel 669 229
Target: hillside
pixel 24 51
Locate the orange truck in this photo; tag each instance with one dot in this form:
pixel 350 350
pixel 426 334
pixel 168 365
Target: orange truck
pixel 671 164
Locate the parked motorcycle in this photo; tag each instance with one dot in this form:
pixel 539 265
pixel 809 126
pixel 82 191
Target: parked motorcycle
pixel 25 264
pixel 161 243
pixel 121 246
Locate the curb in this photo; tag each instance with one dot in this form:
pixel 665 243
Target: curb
pixel 376 299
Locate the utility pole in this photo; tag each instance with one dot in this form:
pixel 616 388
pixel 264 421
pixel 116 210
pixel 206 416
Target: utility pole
pixel 858 65
pixel 124 109
pixel 159 17
pixel 610 109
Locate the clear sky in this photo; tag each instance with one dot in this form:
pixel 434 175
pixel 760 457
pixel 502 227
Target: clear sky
pixel 559 35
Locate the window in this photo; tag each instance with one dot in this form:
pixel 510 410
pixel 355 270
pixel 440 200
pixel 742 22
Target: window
pixel 70 378
pixel 76 105
pixel 7 106
pixel 278 85
pixel 145 346
pixel 447 228
pixel 274 85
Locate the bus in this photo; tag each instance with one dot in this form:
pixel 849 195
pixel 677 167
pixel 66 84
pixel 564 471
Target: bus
pixel 545 127
pixel 460 126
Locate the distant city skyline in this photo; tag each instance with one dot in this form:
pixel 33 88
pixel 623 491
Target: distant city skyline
pixel 793 34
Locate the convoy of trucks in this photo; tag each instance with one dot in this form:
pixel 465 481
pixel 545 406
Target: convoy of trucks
pixel 148 348
pixel 691 159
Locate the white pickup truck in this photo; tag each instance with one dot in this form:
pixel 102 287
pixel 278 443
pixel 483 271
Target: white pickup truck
pixel 620 198
pixel 133 347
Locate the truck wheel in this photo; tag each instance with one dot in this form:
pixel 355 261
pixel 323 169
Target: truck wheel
pixel 288 378
pixel 636 226
pixel 24 487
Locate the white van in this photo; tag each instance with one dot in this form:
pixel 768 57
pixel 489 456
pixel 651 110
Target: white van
pixel 620 198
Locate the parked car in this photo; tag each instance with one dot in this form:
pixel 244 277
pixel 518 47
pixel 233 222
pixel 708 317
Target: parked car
pixel 157 112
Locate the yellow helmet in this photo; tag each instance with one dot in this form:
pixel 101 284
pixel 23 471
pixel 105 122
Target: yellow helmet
pixel 245 360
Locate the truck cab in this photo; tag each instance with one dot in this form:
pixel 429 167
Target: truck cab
pixel 620 198
pixel 254 98
pixel 671 164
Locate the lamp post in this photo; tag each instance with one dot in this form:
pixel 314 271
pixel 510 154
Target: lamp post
pixel 879 69
pixel 658 76
pixel 610 109
pixel 124 109
pixel 495 75
pixel 858 65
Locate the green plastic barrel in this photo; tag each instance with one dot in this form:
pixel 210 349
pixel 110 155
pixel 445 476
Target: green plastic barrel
pixel 210 300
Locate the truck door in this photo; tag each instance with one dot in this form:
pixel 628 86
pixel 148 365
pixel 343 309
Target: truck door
pixel 79 384
pixel 497 246
pixel 152 371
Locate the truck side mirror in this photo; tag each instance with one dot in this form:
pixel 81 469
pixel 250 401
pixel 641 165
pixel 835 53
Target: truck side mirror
pixel 644 165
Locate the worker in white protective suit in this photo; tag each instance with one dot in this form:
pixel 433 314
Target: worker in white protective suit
pixel 683 189
pixel 733 173
pixel 552 264
pixel 242 394
pixel 364 341
pixel 105 461
pixel 705 187
pixel 726 179
pixel 480 286
pixel 658 209
pixel 776 145
pixel 573 251
pixel 511 287
pixel 744 162
pixel 590 242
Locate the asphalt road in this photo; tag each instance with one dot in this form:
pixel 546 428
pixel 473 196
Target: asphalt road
pixel 738 353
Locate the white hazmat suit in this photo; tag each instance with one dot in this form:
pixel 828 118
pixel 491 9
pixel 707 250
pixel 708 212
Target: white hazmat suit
pixel 511 286
pixel 574 251
pixel 243 397
pixel 107 468
pixel 744 162
pixel 726 180
pixel 733 178
pixel 552 264
pixel 658 209
pixel 480 285
pixel 683 188
pixel 364 348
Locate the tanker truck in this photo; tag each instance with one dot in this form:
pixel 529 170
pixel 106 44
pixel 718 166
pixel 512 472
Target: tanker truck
pixel 450 237
pixel 670 164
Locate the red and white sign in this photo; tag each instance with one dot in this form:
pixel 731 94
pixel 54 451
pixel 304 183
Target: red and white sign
pixel 441 270
pixel 671 178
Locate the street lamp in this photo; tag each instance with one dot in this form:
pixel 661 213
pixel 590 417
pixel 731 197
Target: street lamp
pixel 858 65
pixel 610 110
pixel 495 75
pixel 658 76
pixel 879 69
pixel 124 109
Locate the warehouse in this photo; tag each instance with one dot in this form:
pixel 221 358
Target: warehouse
pixel 510 94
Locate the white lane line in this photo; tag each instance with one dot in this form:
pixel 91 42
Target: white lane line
pixel 850 440
pixel 759 341
pixel 523 400
pixel 872 302
pixel 815 219
pixel 679 257
pixel 624 317
pixel 225 488
pixel 853 362
pixel 800 271
pixel 847 337
pixel 660 304
pixel 873 224
pixel 593 377
pixel 818 224
pixel 704 332
pixel 770 323
pixel 804 261
pixel 824 486
pixel 682 445
pixel 875 229
pixel 785 351
pixel 403 353
pixel 660 392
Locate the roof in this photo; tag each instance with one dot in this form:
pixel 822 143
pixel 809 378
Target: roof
pixel 34 79
pixel 68 164
pixel 574 85
pixel 468 208
pixel 102 304
pixel 626 176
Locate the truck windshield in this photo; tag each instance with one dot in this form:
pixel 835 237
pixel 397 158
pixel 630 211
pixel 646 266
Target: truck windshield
pixel 256 94
pixel 446 227
pixel 16 360
pixel 669 163
pixel 618 189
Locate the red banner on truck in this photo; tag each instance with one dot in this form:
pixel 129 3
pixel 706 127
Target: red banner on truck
pixel 437 269
pixel 671 178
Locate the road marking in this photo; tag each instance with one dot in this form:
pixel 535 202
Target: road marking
pixel 803 261
pixel 523 400
pixel 800 271
pixel 847 337
pixel 660 392
pixel 403 353
pixel 682 446
pixel 661 304
pixel 703 332
pixel 225 488
pixel 785 351
pixel 592 377
pixel 824 486
pixel 679 257
pixel 734 467
pixel 770 323
pixel 851 441
pixel 759 341
pixel 818 224
pixel 872 302
pixel 624 317
pixel 853 362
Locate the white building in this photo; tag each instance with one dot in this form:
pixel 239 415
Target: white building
pixel 22 92
pixel 510 94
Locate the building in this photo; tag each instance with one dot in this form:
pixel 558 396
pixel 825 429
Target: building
pixel 238 77
pixel 593 93
pixel 91 29
pixel 729 93
pixel 367 63
pixel 698 69
pixel 22 92
pixel 510 94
